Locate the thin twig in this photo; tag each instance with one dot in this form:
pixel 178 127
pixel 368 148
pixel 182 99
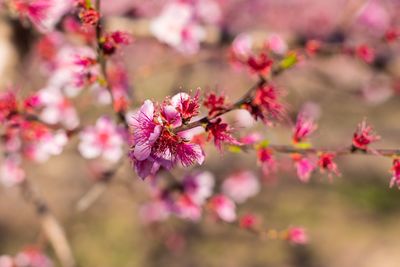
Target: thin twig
pixel 50 225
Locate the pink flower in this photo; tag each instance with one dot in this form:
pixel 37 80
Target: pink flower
pixel 153 212
pixel 365 53
pixel 8 105
pixel 251 138
pixel 11 172
pixel 46 145
pixel 304 167
pixel 249 221
pixel 260 64
pixel 114 40
pixel 241 186
pixel 44 14
pixel 304 127
pixel 297 236
pixel 6 261
pixel 214 103
pixel 177 27
pixel 374 16
pixel 223 208
pixel 57 109
pixel 199 186
pixel 185 208
pixel 104 139
pixel 277 44
pixel 155 145
pixel 187 106
pixel 396 173
pixel 363 136
pixel 265 105
pixel 221 133
pixel 326 163
pixel 267 161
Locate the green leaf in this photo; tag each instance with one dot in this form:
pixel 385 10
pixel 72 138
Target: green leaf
pixel 235 149
pixel 289 61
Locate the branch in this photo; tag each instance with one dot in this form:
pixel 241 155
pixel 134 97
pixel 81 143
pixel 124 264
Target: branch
pixel 50 225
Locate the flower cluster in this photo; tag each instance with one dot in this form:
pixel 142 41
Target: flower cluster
pixel 154 142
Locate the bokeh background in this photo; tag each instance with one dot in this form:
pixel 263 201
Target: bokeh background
pixel 352 221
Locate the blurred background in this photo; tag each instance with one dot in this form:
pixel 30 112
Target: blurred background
pixel 352 221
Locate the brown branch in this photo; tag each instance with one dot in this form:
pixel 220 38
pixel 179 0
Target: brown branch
pixel 348 150
pixel 50 225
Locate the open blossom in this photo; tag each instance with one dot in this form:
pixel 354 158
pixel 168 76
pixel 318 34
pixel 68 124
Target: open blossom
pixel 365 53
pixel 259 64
pixel 57 109
pixel 249 221
pixel 304 167
pixel 114 40
pixel 6 261
pixel 374 16
pixel 45 145
pixel 214 103
pixel 277 44
pixel 187 106
pixel 221 133
pixel 185 208
pixel 267 161
pixel 241 186
pixel 44 14
pixel 326 163
pixel 297 236
pixel 223 207
pixel 104 139
pixel 152 212
pixel 265 105
pixel 11 172
pixel 364 135
pixel 199 186
pixel 155 145
pixel 177 27
pixel 304 127
pixel 396 173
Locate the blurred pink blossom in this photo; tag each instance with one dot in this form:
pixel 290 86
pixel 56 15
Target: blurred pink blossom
pixel 241 186
pixel 104 139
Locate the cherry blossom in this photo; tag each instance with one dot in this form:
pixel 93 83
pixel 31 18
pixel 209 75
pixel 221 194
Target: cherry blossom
pixel 103 139
pixel 175 26
pixel 364 135
pixel 154 144
pixel 241 186
pixel 11 172
pixel 57 109
pixel 297 236
pixel 304 127
pixel 223 207
pixel 199 186
pixel 304 167
pixel 396 173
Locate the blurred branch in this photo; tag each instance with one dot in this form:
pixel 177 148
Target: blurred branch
pixel 97 189
pixel 50 225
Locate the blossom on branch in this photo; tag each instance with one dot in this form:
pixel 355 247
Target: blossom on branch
pixel 104 139
pixel 364 136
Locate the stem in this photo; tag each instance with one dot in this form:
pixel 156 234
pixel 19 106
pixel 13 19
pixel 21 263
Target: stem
pixel 50 225
pixel 349 150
